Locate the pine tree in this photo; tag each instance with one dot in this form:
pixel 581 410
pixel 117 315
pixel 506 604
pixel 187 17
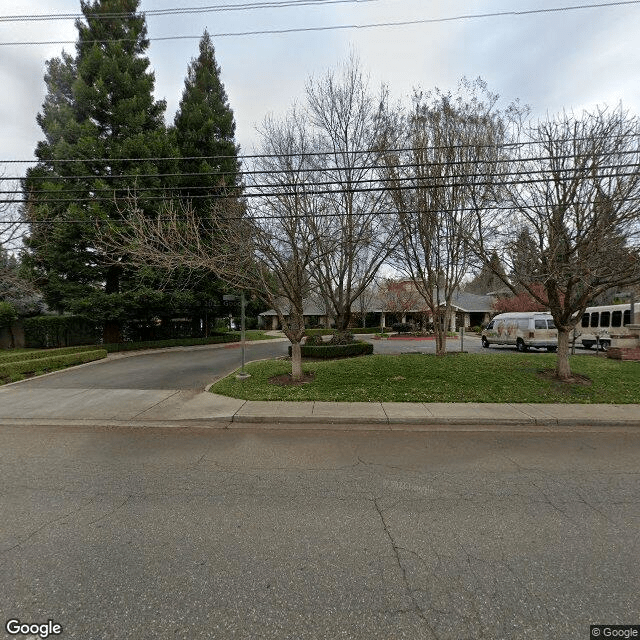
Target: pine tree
pixel 205 127
pixel 204 130
pixel 99 106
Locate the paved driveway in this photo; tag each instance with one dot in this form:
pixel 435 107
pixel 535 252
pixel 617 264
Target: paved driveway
pixel 472 344
pixel 178 368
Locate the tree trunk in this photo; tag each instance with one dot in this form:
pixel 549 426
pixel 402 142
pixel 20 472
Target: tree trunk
pixel 343 319
pixel 296 361
pixel 563 369
pixel 441 340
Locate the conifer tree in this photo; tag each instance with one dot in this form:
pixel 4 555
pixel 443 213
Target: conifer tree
pixel 205 130
pixel 99 113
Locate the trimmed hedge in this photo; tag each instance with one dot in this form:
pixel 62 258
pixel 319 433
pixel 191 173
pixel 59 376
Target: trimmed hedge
pixel 329 351
pixel 13 371
pixel 361 330
pixel 177 342
pixel 58 331
pixel 42 353
pixel 319 332
pixel 402 327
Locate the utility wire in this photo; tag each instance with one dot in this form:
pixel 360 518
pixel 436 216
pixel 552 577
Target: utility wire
pixel 470 177
pixel 247 6
pixel 303 191
pixel 302 217
pixel 340 153
pixel 402 23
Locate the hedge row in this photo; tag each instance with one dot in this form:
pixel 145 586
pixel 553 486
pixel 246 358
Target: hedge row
pixel 177 342
pixel 336 350
pixel 41 353
pixel 11 371
pixel 319 332
pixel 330 332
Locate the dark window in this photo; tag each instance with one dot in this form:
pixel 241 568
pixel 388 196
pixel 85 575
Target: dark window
pixel 585 320
pixel 541 324
pixel 594 319
pixel 490 325
pixel 604 318
pixel 551 324
pixel 616 320
pixel 627 317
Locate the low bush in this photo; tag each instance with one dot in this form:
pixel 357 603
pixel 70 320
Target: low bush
pixel 328 351
pixel 402 327
pixel 178 342
pixel 342 338
pixel 319 332
pixel 58 331
pixel 13 371
pixel 314 341
pixel 9 356
pixel 361 330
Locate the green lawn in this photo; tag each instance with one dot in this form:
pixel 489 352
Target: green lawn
pixel 452 378
pixel 254 334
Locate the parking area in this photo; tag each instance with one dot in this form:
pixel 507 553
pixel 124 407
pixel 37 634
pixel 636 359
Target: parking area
pixel 472 344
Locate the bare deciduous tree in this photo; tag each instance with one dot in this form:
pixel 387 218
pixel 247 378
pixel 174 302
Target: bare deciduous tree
pixel 352 237
pixel 575 193
pixel 440 185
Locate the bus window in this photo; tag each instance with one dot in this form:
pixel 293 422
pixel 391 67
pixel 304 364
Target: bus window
pixel 551 324
pixel 541 324
pixel 604 318
pixel 627 317
pixel 595 316
pixel 616 319
pixel 585 319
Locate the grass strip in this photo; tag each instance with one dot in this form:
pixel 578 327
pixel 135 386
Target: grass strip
pixel 14 371
pixel 456 377
pixel 17 356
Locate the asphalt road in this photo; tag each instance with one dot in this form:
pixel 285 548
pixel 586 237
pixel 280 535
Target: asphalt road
pixel 178 368
pixel 216 534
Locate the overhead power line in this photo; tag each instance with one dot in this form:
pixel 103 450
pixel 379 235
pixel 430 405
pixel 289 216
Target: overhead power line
pixel 496 207
pixel 401 23
pixel 214 8
pixel 472 177
pixel 340 152
pixel 310 190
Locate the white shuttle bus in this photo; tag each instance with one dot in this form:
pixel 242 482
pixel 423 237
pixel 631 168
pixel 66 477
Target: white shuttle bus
pixel 522 330
pixel 600 323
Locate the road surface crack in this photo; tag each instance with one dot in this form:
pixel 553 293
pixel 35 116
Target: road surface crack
pixel 396 551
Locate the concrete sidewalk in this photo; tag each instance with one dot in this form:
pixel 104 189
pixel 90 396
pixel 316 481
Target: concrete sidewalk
pixel 137 408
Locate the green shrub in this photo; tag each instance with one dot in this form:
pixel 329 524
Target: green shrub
pixel 401 327
pixel 361 330
pixel 58 331
pixel 328 351
pixel 8 314
pixel 314 341
pixel 178 342
pixel 319 332
pixel 37 355
pixel 11 371
pixel 342 338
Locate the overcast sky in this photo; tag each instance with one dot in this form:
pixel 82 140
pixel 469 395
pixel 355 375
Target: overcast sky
pixel 571 59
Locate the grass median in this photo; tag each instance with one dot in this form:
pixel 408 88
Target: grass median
pixel 456 377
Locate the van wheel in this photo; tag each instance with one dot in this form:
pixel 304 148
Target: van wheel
pixel 521 346
pixel 485 342
pixel 604 345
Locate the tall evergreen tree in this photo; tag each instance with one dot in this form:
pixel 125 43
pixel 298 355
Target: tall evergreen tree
pixel 99 113
pixel 205 127
pixel 204 130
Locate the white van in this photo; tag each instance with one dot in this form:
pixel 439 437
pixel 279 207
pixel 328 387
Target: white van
pixel 523 330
